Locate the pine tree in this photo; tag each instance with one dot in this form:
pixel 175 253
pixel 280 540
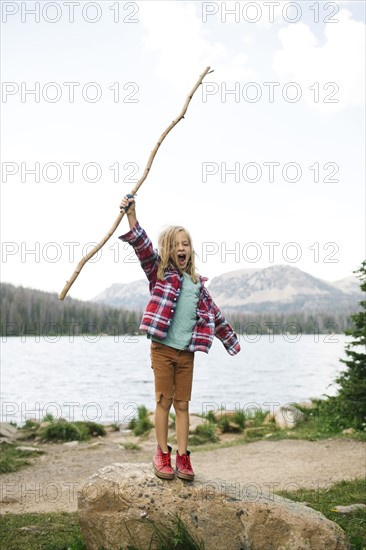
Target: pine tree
pixel 350 402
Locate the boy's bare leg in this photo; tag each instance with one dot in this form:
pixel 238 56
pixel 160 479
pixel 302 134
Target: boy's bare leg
pixel 161 422
pixel 182 425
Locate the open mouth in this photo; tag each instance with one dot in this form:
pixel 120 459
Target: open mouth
pixel 181 259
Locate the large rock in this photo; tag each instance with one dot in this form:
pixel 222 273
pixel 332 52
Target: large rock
pixel 8 432
pixel 286 417
pixel 120 501
pixel 195 421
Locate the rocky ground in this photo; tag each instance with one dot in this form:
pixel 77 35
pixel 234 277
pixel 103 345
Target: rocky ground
pixel 51 481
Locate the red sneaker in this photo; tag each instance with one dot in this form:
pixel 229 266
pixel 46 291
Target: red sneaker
pixel 162 464
pixel 183 466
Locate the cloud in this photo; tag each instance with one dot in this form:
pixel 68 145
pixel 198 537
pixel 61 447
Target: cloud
pixel 259 13
pixel 341 60
pixel 184 45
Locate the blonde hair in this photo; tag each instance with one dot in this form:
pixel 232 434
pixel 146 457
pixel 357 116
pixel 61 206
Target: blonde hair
pixel 166 243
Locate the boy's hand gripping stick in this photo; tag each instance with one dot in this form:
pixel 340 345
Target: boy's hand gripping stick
pixel 129 196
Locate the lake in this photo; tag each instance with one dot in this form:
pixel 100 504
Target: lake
pixel 105 378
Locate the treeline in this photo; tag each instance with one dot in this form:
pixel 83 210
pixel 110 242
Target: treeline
pixel 26 311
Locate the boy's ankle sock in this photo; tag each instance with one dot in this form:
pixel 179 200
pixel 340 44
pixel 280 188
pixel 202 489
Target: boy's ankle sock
pixel 165 452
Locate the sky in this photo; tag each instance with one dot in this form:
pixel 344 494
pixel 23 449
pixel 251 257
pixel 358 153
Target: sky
pixel 267 167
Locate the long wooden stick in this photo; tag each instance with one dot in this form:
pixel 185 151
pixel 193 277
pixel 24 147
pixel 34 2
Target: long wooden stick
pixel 117 221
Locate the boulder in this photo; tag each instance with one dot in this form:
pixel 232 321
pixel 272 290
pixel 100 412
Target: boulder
pixel 73 443
pixel 306 404
pixel 195 421
pixel 287 417
pixel 250 423
pixel 269 418
pixel 223 412
pixel 45 424
pixel 119 505
pixel 349 509
pixel 29 449
pixel 8 431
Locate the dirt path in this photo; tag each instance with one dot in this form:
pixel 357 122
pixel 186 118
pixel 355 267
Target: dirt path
pixel 51 482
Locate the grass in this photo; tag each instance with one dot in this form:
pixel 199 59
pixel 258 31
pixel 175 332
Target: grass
pixel 61 531
pixel 204 433
pixel 114 427
pixel 173 418
pixel 60 430
pixel 316 425
pixel 257 417
pixel 53 531
pixel 172 536
pixel 342 493
pixel 235 422
pixel 209 416
pixel 142 424
pixel 93 429
pixel 239 418
pixel 131 446
pixel 12 460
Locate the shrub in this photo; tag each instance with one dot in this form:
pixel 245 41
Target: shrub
pixel 348 408
pixel 233 423
pixel 114 427
pixel 239 418
pixel 204 433
pixel 48 418
pixel 61 430
pixel 257 416
pixel 207 430
pixel 328 417
pixel 131 446
pixel 91 428
pixel 142 424
pixel 224 424
pixel 30 424
pixel 210 416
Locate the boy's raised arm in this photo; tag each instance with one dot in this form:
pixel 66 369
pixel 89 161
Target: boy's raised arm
pixel 139 240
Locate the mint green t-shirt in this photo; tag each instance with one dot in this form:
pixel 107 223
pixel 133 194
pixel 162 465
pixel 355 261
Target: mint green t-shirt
pixel 185 317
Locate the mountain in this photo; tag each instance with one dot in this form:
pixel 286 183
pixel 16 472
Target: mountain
pixel 282 289
pixel 277 289
pixel 133 296
pixel 349 285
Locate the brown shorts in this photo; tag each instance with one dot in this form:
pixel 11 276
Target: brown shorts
pixel 173 372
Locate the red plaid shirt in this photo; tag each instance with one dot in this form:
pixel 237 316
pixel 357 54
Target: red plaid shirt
pixel 159 312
